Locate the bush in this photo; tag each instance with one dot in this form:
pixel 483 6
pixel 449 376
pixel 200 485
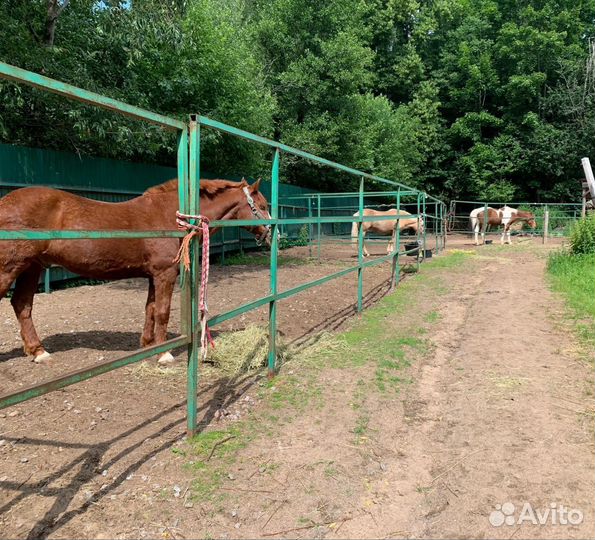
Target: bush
pixel 303 239
pixel 582 236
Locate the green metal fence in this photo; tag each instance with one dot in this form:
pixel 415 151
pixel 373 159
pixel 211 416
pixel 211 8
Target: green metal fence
pixel 188 167
pixel 554 219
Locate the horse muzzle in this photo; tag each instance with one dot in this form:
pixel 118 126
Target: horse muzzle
pixel 267 237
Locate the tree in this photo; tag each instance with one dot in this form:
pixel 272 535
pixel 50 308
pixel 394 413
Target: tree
pixel 465 98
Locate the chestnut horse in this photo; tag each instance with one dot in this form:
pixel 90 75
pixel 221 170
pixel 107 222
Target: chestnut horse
pixel 46 208
pixel 505 216
pixel 387 227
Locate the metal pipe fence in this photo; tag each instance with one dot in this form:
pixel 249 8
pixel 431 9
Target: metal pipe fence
pixel 554 219
pixel 188 167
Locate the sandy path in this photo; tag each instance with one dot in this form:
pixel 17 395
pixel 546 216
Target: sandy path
pixel 494 415
pixel 501 390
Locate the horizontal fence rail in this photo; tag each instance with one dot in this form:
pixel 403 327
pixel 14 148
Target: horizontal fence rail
pixel 13 73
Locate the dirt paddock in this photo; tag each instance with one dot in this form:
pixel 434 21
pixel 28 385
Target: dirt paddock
pixel 82 325
pixel 101 459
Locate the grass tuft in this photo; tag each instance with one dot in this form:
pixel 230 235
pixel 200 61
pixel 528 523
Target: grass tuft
pixel 574 277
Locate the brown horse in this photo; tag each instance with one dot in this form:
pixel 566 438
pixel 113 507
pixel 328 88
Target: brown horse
pixel 387 227
pixel 45 208
pixel 505 216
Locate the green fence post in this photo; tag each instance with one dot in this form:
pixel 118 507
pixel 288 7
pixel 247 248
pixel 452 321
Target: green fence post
pixel 222 246
pixel 436 220
pixel 425 222
pixel 443 229
pixel 46 281
pixel 274 254
pixel 419 255
pixel 397 245
pixel 310 227
pixel 360 249
pixel 319 224
pixel 439 226
pixel 193 281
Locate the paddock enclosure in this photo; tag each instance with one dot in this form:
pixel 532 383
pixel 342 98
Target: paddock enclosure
pixel 554 219
pixel 319 222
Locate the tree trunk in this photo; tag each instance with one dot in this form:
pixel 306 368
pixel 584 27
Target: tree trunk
pixel 55 9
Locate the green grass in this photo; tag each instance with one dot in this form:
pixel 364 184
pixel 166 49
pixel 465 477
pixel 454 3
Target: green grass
pixel 574 277
pixel 220 446
pixel 433 316
pixel 452 259
pixel 374 341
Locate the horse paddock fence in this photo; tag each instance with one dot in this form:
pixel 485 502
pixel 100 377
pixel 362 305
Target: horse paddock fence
pixel 554 219
pixel 325 216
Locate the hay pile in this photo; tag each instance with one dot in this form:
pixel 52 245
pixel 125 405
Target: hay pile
pixel 244 350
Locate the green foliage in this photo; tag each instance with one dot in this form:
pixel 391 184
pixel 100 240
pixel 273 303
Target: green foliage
pixel 151 54
pixel 467 98
pixel 303 239
pixel 582 236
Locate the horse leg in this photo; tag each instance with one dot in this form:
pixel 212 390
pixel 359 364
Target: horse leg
pixel 391 244
pixel 164 288
pixel 22 303
pixel 148 337
pixel 366 254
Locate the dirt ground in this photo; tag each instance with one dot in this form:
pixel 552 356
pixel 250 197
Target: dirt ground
pixel 498 410
pixel 83 325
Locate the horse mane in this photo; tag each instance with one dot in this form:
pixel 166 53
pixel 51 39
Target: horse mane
pixel 208 188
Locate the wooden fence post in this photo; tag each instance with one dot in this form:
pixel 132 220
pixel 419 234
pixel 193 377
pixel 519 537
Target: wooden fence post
pixel 546 224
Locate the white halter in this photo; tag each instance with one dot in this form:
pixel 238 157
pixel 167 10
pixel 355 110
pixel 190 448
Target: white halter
pixel 258 214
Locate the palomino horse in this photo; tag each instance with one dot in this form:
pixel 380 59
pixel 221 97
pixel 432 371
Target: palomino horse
pixel 45 208
pixel 505 216
pixel 386 227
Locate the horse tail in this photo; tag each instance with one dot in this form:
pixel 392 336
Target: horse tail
pixel 354 229
pixel 473 221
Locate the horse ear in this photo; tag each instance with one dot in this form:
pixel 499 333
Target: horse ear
pixel 254 187
pixel 243 183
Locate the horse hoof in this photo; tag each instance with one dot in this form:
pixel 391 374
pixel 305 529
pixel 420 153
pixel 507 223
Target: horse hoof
pixel 41 357
pixel 165 359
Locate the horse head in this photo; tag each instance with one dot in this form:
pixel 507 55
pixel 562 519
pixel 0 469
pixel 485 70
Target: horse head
pixel 253 205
